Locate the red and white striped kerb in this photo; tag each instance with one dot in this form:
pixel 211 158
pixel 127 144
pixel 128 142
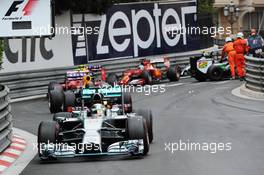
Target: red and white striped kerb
pixel 12 153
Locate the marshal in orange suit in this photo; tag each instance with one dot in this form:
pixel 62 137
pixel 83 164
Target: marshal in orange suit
pixel 241 48
pixel 231 53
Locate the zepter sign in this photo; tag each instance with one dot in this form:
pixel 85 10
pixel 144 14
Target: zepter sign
pixel 26 18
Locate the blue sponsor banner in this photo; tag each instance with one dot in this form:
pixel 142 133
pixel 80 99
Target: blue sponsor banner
pixel 142 29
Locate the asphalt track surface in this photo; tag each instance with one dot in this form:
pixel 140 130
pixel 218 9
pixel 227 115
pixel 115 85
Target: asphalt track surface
pixel 189 111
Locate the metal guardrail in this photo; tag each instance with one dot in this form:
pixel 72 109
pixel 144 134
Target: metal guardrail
pixel 219 42
pixel 255 74
pixel 34 83
pixel 5 118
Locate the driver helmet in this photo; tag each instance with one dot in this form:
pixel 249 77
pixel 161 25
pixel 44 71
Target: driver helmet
pixel 206 54
pixel 98 110
pixel 141 67
pixel 228 39
pixel 240 35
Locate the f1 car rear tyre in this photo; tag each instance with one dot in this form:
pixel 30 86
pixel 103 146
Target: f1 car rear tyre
pixel 59 117
pixel 112 79
pixel 56 99
pixel 137 129
pixel 54 85
pixel 173 74
pixel 147 115
pixel 69 100
pixel 128 102
pixel 215 73
pixel 48 132
pixel 200 77
pixel 147 77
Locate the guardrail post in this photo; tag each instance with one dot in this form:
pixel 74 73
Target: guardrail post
pixel 5 118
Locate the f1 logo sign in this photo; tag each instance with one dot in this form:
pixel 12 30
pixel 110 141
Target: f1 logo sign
pixel 13 8
pixel 26 10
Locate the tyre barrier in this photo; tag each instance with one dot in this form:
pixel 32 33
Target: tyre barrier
pixel 255 73
pixel 5 119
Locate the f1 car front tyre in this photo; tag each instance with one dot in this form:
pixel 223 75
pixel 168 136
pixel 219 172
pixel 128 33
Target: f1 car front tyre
pixel 147 77
pixel 56 99
pixel 137 129
pixel 173 74
pixel 47 134
pixel 215 73
pixel 147 115
pixel 112 79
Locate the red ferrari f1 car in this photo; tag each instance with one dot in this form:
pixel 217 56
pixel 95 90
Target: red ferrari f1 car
pixel 148 72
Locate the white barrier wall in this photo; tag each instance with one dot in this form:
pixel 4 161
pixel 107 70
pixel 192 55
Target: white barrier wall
pixel 35 54
pixel 125 31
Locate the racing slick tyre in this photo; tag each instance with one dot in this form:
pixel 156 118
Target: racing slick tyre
pixel 147 77
pixel 60 117
pixel 128 102
pixel 215 73
pixel 137 129
pixel 173 74
pixel 112 79
pixel 56 99
pixel 147 115
pixel 47 133
pixel 69 100
pixel 54 85
pixel 200 77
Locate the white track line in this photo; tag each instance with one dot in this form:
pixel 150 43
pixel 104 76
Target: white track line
pixel 222 82
pixel 27 98
pixel 174 85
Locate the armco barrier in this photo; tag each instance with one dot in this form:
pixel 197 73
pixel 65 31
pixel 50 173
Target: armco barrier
pixel 255 74
pixel 5 119
pixel 33 83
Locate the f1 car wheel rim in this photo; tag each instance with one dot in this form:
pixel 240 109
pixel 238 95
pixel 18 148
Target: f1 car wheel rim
pixel 216 73
pixel 177 73
pixel 62 107
pixel 49 101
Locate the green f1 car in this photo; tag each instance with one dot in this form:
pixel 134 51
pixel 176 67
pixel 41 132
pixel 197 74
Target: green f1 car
pixel 206 67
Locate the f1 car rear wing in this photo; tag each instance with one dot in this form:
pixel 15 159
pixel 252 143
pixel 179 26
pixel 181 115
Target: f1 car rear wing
pixel 109 92
pixel 86 70
pixel 113 95
pixel 159 62
pixel 77 75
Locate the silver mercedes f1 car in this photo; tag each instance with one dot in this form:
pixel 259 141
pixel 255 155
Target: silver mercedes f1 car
pixel 102 129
